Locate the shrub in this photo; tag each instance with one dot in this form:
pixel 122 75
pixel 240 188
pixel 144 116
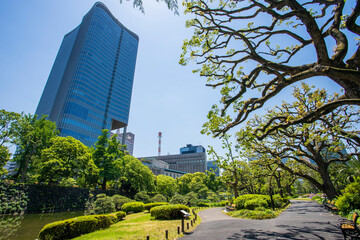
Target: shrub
pixel 142 197
pixel 120 200
pixel 133 207
pixel 104 204
pixel 203 204
pixel 255 203
pixel 148 206
pixel 350 199
pixel 255 200
pixel 178 199
pixel 280 202
pixel 254 214
pixel 191 199
pixel 120 215
pixel 168 212
pixel 158 198
pixel 74 227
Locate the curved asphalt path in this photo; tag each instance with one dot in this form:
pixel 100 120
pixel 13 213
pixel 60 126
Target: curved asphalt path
pixel 302 220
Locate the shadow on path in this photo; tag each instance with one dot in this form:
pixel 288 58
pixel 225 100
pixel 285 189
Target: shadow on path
pixel 302 220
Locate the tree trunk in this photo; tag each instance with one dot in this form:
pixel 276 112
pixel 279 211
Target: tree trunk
pixel 278 183
pixel 103 185
pixel 235 184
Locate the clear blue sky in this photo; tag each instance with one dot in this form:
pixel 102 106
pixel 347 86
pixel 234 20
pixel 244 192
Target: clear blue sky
pixel 166 96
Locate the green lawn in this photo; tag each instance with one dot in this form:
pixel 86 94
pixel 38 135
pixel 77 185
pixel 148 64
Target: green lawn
pixel 138 226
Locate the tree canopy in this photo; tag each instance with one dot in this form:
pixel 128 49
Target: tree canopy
pixel 255 49
pixel 307 150
pixel 171 4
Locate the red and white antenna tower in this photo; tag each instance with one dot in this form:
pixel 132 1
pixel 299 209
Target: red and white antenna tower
pixel 159 150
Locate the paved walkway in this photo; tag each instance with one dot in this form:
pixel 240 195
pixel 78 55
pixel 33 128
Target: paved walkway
pixel 302 220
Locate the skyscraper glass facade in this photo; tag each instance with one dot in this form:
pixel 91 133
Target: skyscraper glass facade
pixel 89 87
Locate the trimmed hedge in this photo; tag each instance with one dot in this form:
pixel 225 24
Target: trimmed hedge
pixel 203 204
pixel 120 215
pixel 75 227
pixel 168 212
pixel 133 207
pixel 252 201
pixel 148 206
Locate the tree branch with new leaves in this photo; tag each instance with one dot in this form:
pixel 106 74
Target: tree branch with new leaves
pixel 257 48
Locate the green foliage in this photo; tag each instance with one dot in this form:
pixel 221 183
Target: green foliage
pixel 252 201
pixel 158 198
pixel 107 156
pixel 168 212
pixel 133 207
pixel 280 202
pixel 120 215
pixel 75 227
pixel 203 204
pixel 178 199
pixel 142 197
pixel 31 136
pixel 66 158
pixel 251 214
pixel 350 199
pixel 120 200
pixel 166 185
pixel 148 206
pixel 136 176
pixel 104 204
pixel 12 200
pixel 191 199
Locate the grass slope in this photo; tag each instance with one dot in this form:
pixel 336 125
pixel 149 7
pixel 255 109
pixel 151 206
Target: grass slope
pixel 138 226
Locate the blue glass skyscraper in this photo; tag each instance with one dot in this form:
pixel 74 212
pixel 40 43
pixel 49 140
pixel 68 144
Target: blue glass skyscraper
pixel 90 84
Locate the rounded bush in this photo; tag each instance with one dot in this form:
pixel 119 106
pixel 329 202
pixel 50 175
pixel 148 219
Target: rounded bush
pixel 256 199
pixel 148 206
pixel 255 203
pixel 133 207
pixel 75 227
pixel 120 215
pixel 168 212
pixel 120 200
pixel 158 198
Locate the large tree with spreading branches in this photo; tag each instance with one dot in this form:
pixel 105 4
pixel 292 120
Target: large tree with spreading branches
pixel 255 49
pixel 307 150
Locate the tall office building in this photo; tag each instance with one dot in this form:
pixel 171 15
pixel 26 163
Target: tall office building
pixel 90 84
pixel 129 140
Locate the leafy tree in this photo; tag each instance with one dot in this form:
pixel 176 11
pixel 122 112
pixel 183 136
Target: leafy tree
pixel 166 186
pixel 234 168
pixel 307 149
pixel 136 177
pixel 256 49
pixel 65 158
pixel 107 157
pixel 32 134
pixel 7 122
pixel 171 4
pixel 183 183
